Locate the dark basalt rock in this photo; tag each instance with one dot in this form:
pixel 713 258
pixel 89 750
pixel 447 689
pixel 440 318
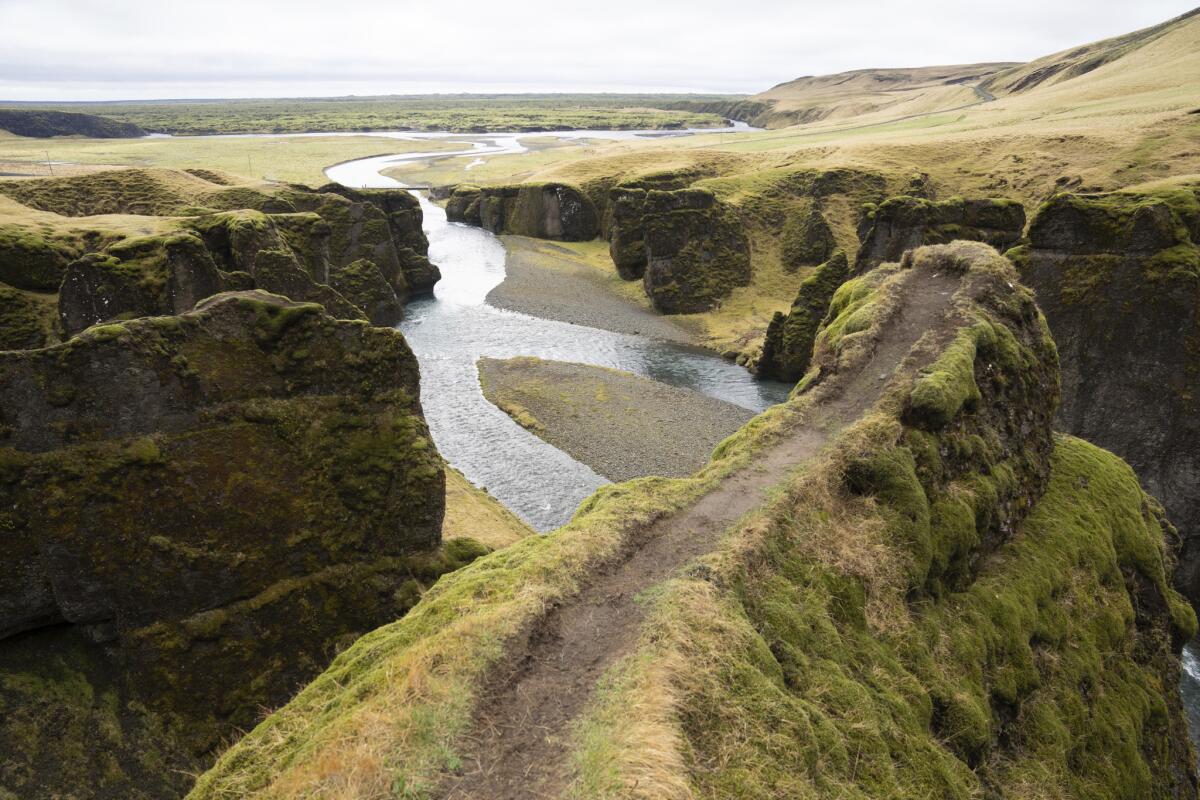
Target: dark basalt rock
pixel 138 277
pixel 199 510
pixel 1118 277
pixel 363 285
pixel 903 223
pixel 627 235
pixel 540 210
pixel 696 251
pixel 787 349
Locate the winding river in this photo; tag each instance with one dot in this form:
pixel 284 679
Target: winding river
pixel 456 327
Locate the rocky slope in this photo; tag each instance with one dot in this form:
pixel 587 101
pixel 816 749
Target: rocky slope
pixel 207 493
pixel 1119 278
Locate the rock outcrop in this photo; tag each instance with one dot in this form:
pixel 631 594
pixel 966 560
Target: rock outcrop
pixel 696 250
pixel 787 349
pixel 199 511
pixel 286 239
pixel 541 210
pixel 807 240
pixel 1118 276
pixel 902 223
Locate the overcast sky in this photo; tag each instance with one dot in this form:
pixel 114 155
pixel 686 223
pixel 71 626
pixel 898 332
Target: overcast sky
pixel 140 49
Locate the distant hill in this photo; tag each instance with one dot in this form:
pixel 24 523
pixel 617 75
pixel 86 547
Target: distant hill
pixel 866 91
pixel 46 124
pixel 1077 61
pixel 1155 67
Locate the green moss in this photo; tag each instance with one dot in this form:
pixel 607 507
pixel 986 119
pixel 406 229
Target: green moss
pixel 787 348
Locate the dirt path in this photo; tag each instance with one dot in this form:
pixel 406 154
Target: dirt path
pixel 521 739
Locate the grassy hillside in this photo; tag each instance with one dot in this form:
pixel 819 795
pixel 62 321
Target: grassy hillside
pixel 1069 64
pixel 46 124
pixel 898 92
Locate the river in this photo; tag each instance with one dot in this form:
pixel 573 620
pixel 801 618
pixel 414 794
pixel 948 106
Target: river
pixel 452 330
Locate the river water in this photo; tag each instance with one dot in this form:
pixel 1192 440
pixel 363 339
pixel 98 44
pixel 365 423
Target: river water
pixel 452 330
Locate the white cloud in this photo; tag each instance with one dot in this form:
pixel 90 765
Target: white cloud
pixel 89 50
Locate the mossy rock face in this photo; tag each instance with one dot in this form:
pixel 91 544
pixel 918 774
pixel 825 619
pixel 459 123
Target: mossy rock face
pixel 787 349
pixel 364 285
pixel 696 251
pixel 902 223
pixel 541 210
pixel 807 240
pixel 218 501
pixel 137 277
pixel 1118 276
pixel 27 319
pixel 30 261
pixel 626 233
pixel 403 215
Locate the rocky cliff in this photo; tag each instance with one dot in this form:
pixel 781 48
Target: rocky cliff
pixel 361 254
pixel 903 223
pixel 696 252
pixel 199 510
pixel 544 211
pixel 787 348
pixel 206 493
pixel 1119 278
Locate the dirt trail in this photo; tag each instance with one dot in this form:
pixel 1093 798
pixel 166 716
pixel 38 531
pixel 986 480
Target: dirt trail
pixel 521 737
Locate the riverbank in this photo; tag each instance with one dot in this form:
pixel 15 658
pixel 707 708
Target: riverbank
pixel 620 424
pixel 576 282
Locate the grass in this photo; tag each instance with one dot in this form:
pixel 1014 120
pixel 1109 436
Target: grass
pixel 296 159
pixel 458 113
pixel 471 513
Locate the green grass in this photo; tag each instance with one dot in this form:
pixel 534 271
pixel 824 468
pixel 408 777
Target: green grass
pixel 459 113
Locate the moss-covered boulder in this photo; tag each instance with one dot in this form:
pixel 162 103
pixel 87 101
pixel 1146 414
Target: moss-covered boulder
pixel 27 319
pixel 788 346
pixel 540 210
pixel 696 251
pixel 1118 276
pixel 902 223
pixel 199 511
pixel 807 240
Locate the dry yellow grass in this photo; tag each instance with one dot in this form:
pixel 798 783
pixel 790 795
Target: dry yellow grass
pixel 472 513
